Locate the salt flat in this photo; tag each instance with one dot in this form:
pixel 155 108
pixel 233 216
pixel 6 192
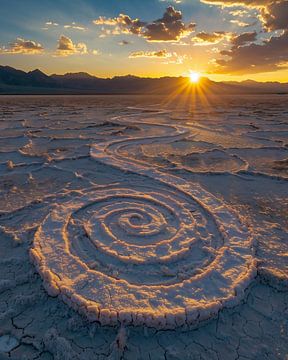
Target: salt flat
pixel 140 227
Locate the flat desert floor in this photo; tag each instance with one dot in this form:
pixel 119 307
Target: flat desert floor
pixel 143 227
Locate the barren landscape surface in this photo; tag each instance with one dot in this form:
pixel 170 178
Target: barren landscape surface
pixel 143 227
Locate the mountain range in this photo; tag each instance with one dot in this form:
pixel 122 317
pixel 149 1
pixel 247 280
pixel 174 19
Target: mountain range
pixel 13 81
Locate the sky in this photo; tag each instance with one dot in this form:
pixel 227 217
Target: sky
pixel 221 39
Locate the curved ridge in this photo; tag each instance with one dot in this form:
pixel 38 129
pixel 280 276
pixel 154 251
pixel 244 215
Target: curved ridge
pixel 163 254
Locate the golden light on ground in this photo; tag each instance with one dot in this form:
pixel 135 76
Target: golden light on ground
pixel 194 77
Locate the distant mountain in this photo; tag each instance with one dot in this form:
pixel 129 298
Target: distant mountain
pixel 270 87
pixel 12 77
pixel 13 81
pixel 38 77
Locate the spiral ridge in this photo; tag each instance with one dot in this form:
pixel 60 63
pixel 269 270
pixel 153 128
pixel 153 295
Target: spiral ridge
pixel 163 254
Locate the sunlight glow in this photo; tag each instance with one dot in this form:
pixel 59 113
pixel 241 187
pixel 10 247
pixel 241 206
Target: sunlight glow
pixel 194 77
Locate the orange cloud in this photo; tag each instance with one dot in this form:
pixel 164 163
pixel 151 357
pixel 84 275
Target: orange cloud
pixel 150 54
pixel 164 55
pixel 21 46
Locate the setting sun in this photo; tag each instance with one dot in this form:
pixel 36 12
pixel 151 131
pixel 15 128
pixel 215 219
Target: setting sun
pixel 194 77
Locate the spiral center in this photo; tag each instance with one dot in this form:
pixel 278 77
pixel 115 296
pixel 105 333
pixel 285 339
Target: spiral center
pixel 138 224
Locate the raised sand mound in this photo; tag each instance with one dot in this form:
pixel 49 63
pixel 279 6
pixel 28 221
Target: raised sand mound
pixel 163 254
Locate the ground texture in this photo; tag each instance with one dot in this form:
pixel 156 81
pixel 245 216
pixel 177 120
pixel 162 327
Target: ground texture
pixel 126 211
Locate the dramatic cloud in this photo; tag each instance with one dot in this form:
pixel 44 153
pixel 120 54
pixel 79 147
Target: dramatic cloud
pixel 204 38
pixel 150 54
pixel 66 47
pixel 246 56
pixel 271 55
pixel 21 46
pixel 275 16
pixel 170 27
pixel 273 13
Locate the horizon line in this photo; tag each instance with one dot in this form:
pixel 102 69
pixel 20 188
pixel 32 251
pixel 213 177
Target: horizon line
pixel 142 77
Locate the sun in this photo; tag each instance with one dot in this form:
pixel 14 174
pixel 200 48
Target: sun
pixel 194 77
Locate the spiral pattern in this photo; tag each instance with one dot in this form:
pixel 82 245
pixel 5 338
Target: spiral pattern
pixel 163 254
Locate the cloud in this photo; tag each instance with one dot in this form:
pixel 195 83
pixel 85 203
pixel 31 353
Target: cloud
pixel 108 32
pixel 21 46
pixel 248 3
pixel 164 55
pixel 178 59
pixel 271 55
pixel 102 20
pixel 247 56
pixel 66 47
pixel 241 23
pixel 204 38
pixel 244 38
pixel 170 27
pixel 123 24
pixel 239 12
pixel 151 54
pixel 175 1
pixel 74 26
pixel 51 23
pixel 273 14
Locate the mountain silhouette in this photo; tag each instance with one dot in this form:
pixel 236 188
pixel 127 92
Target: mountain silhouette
pixel 13 81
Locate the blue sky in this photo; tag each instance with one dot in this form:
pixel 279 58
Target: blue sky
pixel 60 36
pixel 25 18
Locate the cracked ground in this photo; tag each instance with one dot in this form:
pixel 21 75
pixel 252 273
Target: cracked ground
pixel 45 156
